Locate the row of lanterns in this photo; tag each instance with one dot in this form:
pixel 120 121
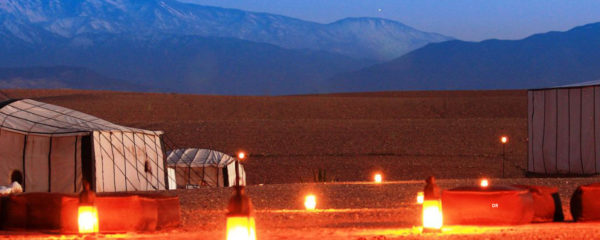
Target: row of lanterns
pixel 240 221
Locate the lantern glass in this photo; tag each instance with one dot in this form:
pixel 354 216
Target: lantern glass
pixel 432 214
pixel 310 202
pixel 484 183
pixel 241 228
pixel 378 178
pixel 420 198
pixel 87 219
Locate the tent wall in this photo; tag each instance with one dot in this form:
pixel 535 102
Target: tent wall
pixel 126 161
pixel 208 176
pixel 564 131
pixel 48 164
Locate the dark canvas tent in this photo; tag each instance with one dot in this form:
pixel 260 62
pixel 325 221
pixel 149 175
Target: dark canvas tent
pixel 564 130
pixel 56 148
pixel 204 167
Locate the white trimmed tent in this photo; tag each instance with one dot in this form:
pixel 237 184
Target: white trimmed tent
pixel 564 130
pixel 204 167
pixel 56 148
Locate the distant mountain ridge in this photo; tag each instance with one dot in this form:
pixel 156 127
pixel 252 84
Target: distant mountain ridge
pixel 541 60
pixel 62 77
pixel 362 38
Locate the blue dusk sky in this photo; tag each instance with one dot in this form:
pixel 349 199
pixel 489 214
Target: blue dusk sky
pixel 471 20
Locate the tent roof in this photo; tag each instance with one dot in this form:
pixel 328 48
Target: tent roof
pixel 198 158
pixel 32 117
pixel 574 85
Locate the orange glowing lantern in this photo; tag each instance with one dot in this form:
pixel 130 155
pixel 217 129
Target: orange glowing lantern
pixel 484 183
pixel 420 198
pixel 87 214
pixel 378 178
pixel 432 206
pixel 310 202
pixel 87 219
pixel 432 215
pixel 241 155
pixel 241 228
pixel 240 222
pixel 504 139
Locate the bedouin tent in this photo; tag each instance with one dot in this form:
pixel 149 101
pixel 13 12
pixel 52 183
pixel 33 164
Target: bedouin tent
pixel 204 167
pixel 56 148
pixel 564 130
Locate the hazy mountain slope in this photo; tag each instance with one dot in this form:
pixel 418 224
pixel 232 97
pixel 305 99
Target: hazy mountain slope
pixel 61 77
pixel 356 37
pixel 542 60
pixel 194 64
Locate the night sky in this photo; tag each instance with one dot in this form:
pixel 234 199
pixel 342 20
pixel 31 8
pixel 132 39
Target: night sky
pixel 472 20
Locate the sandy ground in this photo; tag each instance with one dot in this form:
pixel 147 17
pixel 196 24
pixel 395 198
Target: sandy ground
pixel 349 210
pixel 453 135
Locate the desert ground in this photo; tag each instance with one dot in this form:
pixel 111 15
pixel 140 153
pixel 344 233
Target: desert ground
pixel 407 136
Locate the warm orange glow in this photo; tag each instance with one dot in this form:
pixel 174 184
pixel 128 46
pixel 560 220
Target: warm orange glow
pixel 310 202
pixel 241 228
pixel 420 197
pixel 378 178
pixel 432 214
pixel 504 139
pixel 87 219
pixel 484 183
pixel 241 155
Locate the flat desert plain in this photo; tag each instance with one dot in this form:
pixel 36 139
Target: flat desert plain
pixel 407 136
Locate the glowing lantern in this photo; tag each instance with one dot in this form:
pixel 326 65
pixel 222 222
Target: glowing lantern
pixel 484 183
pixel 420 198
pixel 87 214
pixel 378 178
pixel 432 215
pixel 241 228
pixel 310 202
pixel 432 206
pixel 504 139
pixel 241 155
pixel 240 222
pixel 87 219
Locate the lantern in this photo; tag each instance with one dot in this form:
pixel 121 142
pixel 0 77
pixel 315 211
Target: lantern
pixel 432 215
pixel 87 219
pixel 432 206
pixel 420 198
pixel 504 139
pixel 87 213
pixel 378 178
pixel 310 202
pixel 241 155
pixel 240 222
pixel 484 183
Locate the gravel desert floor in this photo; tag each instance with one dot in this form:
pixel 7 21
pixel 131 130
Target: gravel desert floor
pixel 407 136
pixel 348 210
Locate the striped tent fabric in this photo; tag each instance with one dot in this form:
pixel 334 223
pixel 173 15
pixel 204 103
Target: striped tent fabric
pixel 204 167
pixel 56 148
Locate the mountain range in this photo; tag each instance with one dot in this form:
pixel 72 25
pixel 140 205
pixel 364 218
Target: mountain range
pixel 174 46
pixel 166 45
pixel 541 60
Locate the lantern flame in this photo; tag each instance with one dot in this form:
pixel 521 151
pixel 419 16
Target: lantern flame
pixel 241 155
pixel 504 139
pixel 241 228
pixel 420 198
pixel 87 219
pixel 310 202
pixel 432 215
pixel 484 183
pixel 378 178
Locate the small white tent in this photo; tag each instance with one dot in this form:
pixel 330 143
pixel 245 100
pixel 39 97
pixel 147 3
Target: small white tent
pixel 204 167
pixel 56 148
